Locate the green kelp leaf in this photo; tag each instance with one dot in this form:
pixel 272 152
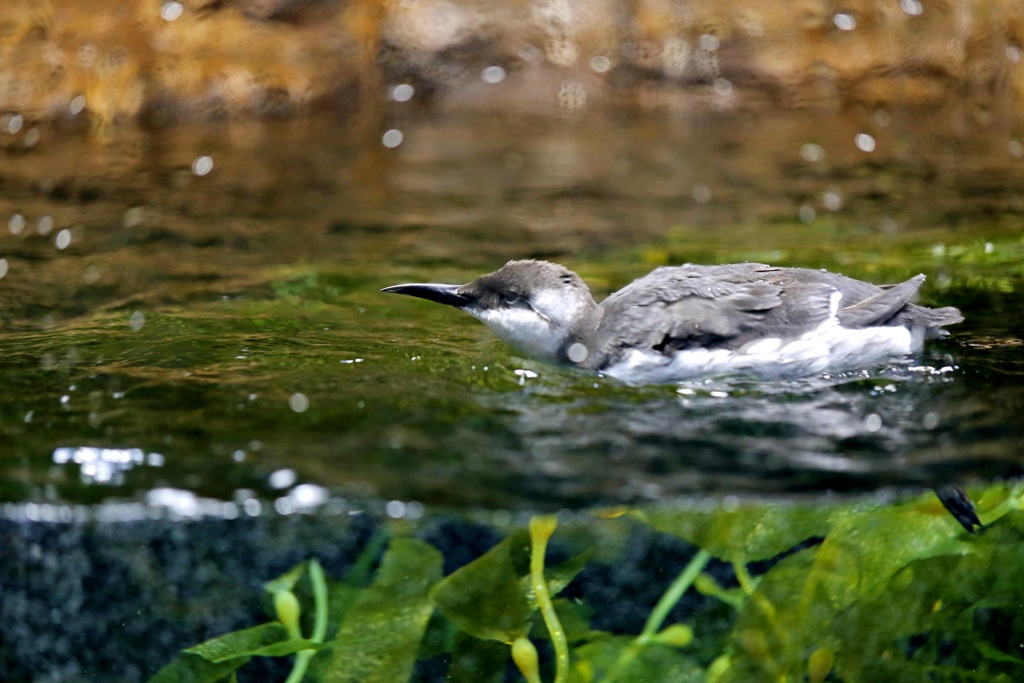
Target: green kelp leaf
pixel 191 668
pixel 969 601
pixel 768 634
pixel 866 547
pixel 744 533
pixel 998 500
pixel 989 651
pixel 382 630
pixel 575 619
pixel 438 638
pixel 362 568
pixel 653 664
pixel 491 597
pixel 244 643
pixel 340 596
pixel 487 598
pixel 287 581
pixel 994 579
pixel 478 661
pixel 561 575
pixel 865 557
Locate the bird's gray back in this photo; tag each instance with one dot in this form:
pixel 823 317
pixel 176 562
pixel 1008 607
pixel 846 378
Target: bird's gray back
pixel 728 306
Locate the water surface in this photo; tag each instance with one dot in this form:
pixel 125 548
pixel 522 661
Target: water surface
pixel 222 333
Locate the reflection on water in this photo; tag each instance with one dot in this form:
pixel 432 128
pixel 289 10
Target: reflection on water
pixel 105 465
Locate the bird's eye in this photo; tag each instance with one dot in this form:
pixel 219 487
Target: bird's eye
pixel 511 298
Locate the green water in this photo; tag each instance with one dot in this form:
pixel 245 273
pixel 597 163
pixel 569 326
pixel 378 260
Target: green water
pixel 229 326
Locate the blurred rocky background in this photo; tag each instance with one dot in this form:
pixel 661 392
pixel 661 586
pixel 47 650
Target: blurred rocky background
pixel 109 62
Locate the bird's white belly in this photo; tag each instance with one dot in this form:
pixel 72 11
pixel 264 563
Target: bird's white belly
pixel 828 348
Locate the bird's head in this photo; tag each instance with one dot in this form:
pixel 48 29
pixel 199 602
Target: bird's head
pixel 535 306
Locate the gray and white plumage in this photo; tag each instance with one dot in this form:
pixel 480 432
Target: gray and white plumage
pixel 682 322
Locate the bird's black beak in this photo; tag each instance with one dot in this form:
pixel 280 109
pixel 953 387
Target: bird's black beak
pixel 442 294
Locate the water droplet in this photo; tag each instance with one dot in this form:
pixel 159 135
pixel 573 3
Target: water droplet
pixel 844 22
pixel 930 420
pixel 873 422
pixel 1016 148
pixel 202 165
pixel 493 74
pixel 600 64
pixel 171 11
pixel 529 53
pixel 63 239
pixel 912 7
pixel 132 217
pixel 45 225
pixel 709 42
pixel 812 152
pixel 77 105
pixel 833 200
pixel 577 352
pixel 1014 54
pixel 393 138
pixel 16 224
pixel 3 267
pixel 395 509
pixel 306 496
pixel 864 142
pixel 524 375
pixel 284 506
pixel 298 402
pixel 402 92
pixel 701 194
pixel 136 321
pixel 501 518
pixel 13 123
pixel 807 214
pixel 282 479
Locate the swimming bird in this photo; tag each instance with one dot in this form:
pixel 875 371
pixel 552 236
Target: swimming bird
pixel 691 321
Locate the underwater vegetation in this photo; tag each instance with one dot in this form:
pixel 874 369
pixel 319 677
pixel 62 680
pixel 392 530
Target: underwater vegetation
pixel 843 591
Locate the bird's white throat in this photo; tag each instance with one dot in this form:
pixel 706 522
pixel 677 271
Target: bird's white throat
pixel 542 328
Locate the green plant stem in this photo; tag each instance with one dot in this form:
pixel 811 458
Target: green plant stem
pixel 541 528
pixel 660 612
pixel 320 607
pixel 673 595
pixel 300 666
pixel 743 576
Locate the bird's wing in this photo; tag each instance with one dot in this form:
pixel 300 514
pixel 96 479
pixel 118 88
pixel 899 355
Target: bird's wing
pixel 707 306
pixel 880 307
